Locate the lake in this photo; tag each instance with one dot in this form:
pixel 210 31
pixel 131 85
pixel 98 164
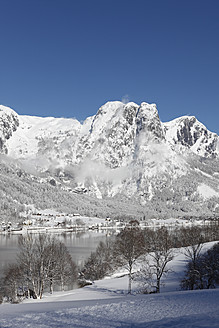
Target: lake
pixel 80 246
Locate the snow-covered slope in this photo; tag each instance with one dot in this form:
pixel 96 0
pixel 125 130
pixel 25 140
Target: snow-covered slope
pixel 106 304
pixel 123 150
pixel 48 136
pixel 173 310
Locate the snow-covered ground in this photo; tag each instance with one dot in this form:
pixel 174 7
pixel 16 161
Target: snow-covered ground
pixel 90 308
pixel 106 304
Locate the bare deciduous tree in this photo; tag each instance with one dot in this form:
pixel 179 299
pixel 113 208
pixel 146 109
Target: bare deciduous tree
pixel 194 242
pixel 44 261
pixel 65 270
pixel 12 282
pixel 129 246
pixel 100 262
pixel 205 275
pixel 160 253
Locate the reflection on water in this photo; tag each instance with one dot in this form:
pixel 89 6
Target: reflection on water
pixel 80 245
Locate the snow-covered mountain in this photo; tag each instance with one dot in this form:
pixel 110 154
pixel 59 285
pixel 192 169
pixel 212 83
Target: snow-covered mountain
pixel 122 151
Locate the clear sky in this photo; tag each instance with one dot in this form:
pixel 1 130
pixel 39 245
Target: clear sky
pixel 68 57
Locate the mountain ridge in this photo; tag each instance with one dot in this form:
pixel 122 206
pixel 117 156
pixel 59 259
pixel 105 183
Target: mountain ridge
pixel 124 149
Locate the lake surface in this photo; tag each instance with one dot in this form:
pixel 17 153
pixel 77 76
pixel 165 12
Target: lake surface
pixel 80 246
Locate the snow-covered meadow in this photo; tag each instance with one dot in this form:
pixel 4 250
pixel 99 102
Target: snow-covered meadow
pixel 91 308
pixel 106 304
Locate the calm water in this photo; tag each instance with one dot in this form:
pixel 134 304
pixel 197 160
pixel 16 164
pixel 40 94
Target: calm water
pixel 80 246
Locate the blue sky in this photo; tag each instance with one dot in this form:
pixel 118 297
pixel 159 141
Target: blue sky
pixel 67 58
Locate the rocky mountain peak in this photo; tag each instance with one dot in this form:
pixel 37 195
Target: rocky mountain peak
pixel 148 121
pixel 9 121
pixel 104 115
pixel 130 112
pixel 188 132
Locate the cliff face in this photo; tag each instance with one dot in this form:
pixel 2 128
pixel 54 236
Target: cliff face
pixel 190 133
pixel 9 122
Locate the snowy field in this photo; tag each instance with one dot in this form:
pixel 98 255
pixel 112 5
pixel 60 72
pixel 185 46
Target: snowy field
pixel 106 304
